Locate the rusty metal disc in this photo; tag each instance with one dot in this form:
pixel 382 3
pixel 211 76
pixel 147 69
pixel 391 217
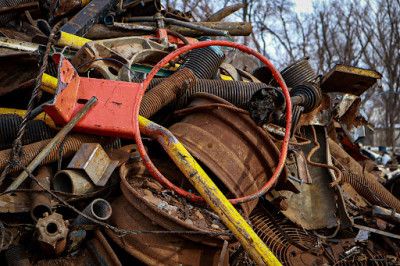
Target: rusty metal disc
pixel 156 215
pixel 230 144
pixel 157 249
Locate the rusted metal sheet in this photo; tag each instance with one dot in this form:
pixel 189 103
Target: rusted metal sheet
pixel 348 79
pixel 315 206
pixel 231 145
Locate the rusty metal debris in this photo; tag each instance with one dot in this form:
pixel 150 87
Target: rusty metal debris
pixel 265 168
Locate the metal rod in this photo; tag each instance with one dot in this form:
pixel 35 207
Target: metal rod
pixel 49 147
pixel 182 24
pixel 376 231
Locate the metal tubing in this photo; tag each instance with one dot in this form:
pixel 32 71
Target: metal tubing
pixel 176 22
pixel 49 147
pixel 98 209
pixel 72 181
pixel 210 192
pixel 40 203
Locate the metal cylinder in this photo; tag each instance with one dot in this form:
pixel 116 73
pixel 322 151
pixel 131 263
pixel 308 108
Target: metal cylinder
pixel 205 61
pixel 98 209
pixel 40 202
pixel 297 73
pixel 67 148
pixel 165 92
pixel 16 256
pixel 36 130
pixel 73 181
pixel 238 93
pixel 371 190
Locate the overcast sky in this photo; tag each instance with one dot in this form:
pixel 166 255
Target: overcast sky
pixel 303 6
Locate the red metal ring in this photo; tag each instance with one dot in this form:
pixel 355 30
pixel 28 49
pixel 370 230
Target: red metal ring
pixel 283 154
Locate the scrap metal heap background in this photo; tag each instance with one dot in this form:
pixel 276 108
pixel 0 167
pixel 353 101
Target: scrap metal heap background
pixel 124 130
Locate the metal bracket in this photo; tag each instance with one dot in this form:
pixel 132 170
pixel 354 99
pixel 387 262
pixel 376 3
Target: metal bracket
pixel 113 114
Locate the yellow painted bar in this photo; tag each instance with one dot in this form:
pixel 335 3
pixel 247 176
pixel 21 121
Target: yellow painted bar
pixel 73 41
pixel 210 192
pixel 43 116
pixel 49 83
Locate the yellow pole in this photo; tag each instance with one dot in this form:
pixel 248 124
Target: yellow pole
pixel 73 41
pixel 210 192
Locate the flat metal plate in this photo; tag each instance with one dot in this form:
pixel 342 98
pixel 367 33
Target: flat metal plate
pixel 349 79
pixel 315 206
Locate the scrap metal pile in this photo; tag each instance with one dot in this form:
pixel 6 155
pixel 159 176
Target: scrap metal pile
pixel 126 137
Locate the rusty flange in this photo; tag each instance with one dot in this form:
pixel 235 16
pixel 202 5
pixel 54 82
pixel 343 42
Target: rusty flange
pixel 231 145
pixel 53 231
pixel 155 215
pixel 157 249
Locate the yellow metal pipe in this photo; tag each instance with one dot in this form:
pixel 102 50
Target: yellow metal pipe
pixel 210 192
pixel 72 41
pixel 49 83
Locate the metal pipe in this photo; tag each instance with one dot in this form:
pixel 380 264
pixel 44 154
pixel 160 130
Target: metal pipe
pixel 53 143
pixel 376 231
pixel 182 24
pixel 72 181
pixel 40 202
pixel 98 209
pixel 210 192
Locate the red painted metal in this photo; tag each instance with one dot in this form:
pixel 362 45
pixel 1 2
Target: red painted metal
pixel 282 158
pixel 114 111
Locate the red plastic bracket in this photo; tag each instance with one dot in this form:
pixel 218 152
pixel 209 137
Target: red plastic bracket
pixel 113 115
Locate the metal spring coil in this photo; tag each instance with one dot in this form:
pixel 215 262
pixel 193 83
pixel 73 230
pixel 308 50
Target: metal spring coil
pixel 311 94
pixel 371 190
pixel 273 238
pixel 236 92
pixel 297 73
pixel 204 62
pixel 36 130
pixel 70 146
pixel 166 91
pixel 267 229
